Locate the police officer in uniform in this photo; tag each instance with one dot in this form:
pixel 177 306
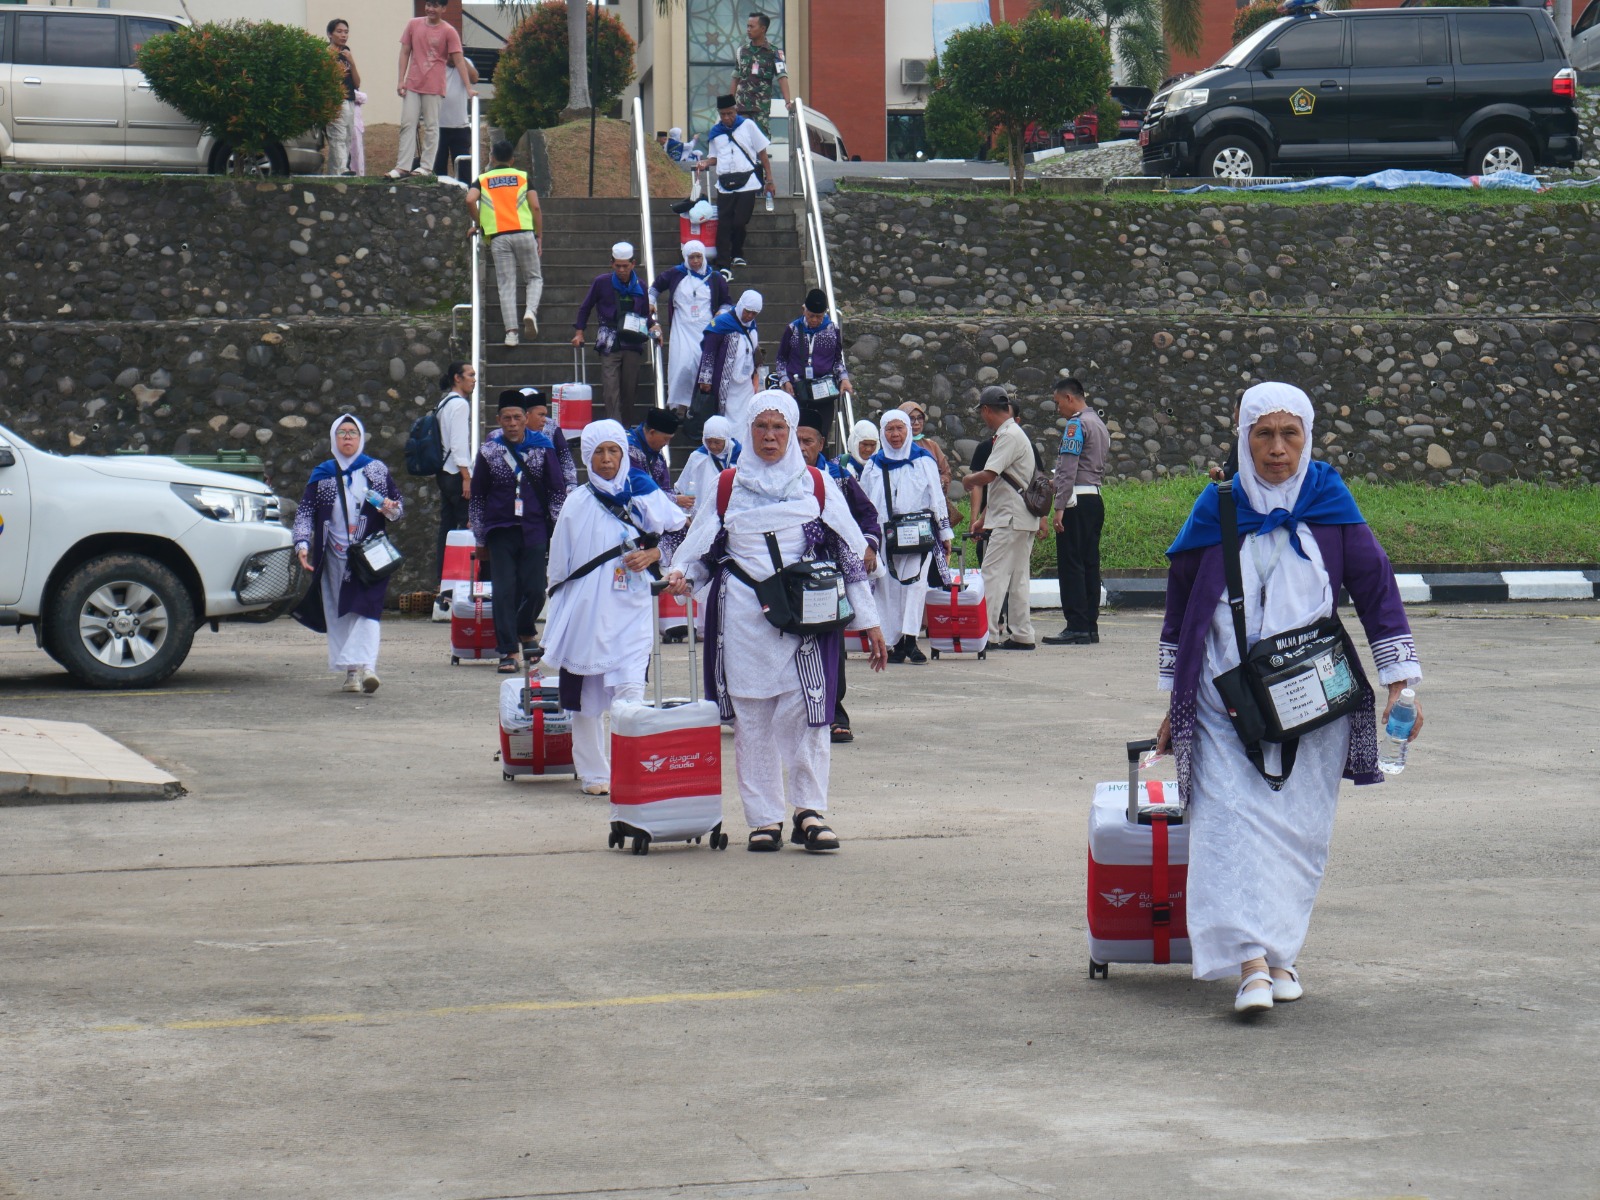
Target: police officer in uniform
pixel 508 212
pixel 1079 515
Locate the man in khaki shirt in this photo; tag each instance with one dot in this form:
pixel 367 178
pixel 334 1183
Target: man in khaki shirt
pixel 1011 527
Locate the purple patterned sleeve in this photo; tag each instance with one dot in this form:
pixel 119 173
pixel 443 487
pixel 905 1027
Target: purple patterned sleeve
pixel 1181 571
pixel 305 515
pixel 1369 578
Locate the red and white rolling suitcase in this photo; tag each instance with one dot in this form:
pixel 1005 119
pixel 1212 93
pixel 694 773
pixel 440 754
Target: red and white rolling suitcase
pixel 666 764
pixel 672 616
pixel 958 616
pixel 472 618
pixel 535 731
pixel 1138 872
pixel 572 404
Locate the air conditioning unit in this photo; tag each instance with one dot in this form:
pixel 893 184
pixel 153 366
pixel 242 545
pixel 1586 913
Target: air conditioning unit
pixel 914 72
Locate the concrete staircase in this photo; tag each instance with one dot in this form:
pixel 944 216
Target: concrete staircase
pixel 578 235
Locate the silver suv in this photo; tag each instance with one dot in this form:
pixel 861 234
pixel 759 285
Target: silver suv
pixel 70 96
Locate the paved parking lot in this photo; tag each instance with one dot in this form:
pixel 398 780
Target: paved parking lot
pixel 352 962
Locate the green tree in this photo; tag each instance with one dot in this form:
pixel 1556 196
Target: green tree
pixel 532 84
pixel 954 128
pixel 1042 71
pixel 250 84
pixel 1132 26
pixel 1252 18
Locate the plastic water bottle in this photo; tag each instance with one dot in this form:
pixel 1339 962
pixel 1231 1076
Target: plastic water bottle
pixel 1397 733
pixel 770 205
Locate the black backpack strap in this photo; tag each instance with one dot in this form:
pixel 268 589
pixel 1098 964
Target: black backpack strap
pixel 597 561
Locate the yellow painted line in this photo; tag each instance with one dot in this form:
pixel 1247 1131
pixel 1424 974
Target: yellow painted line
pixel 454 1010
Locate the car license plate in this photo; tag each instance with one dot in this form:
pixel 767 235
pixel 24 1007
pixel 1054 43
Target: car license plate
pixel 1144 137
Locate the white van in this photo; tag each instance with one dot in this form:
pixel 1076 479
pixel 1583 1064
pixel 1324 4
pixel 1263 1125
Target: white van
pixel 826 140
pixel 116 561
pixel 71 97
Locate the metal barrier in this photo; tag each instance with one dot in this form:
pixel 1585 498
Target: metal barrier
pixel 801 163
pixel 647 249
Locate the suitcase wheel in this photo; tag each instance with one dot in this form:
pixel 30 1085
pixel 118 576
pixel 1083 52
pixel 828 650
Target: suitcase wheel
pixel 641 843
pixel 506 775
pixel 719 841
pixel 615 840
pixel 455 661
pixel 1099 970
pixel 983 654
pixel 935 653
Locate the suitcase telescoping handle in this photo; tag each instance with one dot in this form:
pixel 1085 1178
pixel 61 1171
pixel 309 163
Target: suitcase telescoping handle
pixel 657 587
pixel 580 365
pixel 1136 750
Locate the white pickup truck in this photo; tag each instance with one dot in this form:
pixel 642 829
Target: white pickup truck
pixel 116 561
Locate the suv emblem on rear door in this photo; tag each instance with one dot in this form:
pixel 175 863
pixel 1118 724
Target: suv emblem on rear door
pixel 1302 102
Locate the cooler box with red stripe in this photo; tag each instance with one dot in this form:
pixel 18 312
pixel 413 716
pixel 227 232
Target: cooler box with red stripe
pixel 472 623
pixel 666 774
pixel 704 232
pixel 1138 873
pixel 572 404
pixel 958 616
pixel 459 570
pixel 535 731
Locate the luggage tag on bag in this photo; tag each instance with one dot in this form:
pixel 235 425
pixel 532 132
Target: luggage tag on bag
pixel 635 324
pixel 824 389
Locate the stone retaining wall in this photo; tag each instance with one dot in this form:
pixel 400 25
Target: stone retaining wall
pixel 271 388
pixel 969 255
pixel 1398 399
pixel 107 248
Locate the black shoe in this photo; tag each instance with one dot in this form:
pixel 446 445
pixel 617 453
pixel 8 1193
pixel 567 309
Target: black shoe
pixel 914 652
pixel 897 653
pixel 1013 644
pixel 1072 637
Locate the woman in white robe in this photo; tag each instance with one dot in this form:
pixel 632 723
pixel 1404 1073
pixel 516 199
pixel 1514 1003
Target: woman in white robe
pixel 905 474
pixel 863 445
pixel 1257 856
pixel 779 689
pixel 718 450
pixel 697 294
pixel 598 626
pixel 728 353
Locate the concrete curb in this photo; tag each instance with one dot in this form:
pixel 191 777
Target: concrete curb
pixel 1443 587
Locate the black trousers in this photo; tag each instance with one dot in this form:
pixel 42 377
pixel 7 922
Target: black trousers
pixel 734 210
pixel 824 407
pixel 1078 563
pixel 452 142
pixel 518 572
pixel 452 514
pixel 840 717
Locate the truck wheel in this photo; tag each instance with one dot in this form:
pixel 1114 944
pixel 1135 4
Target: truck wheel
pixel 121 621
pixel 1232 158
pixel 1499 152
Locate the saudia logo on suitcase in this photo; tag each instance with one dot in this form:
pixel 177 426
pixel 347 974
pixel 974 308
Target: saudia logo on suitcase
pixel 1117 897
pixel 677 762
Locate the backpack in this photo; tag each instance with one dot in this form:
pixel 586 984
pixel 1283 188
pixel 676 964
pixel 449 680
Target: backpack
pixel 1039 494
pixel 725 489
pixel 425 442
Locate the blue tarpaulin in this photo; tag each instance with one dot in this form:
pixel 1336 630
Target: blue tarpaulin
pixel 1386 181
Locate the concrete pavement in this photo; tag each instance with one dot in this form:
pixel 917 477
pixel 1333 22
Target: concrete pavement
pixel 354 963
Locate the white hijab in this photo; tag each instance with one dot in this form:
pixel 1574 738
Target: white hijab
pixel 595 435
pixel 717 427
pixel 786 478
pixel 862 431
pixel 895 417
pixel 354 483
pixel 695 246
pixel 1256 403
pixel 749 301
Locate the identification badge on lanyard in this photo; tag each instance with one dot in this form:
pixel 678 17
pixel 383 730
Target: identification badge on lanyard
pixel 619 578
pixel 516 507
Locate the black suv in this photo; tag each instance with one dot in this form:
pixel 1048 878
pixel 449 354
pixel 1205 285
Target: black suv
pixel 1484 89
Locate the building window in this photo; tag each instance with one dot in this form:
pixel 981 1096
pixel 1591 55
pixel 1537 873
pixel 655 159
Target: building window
pixel 907 140
pixel 716 32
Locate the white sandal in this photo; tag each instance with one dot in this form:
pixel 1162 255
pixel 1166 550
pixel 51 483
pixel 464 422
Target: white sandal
pixel 1253 999
pixel 1285 990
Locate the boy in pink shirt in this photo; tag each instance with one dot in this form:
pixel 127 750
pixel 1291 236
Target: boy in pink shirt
pixel 428 47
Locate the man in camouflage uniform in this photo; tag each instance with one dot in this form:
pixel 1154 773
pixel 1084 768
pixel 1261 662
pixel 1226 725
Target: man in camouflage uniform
pixel 756 68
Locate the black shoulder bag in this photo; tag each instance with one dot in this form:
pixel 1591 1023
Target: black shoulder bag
pixel 374 558
pixel 803 598
pixel 732 181
pixel 905 533
pixel 1287 684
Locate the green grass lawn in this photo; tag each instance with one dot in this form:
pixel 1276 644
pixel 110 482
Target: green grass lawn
pixel 1417 524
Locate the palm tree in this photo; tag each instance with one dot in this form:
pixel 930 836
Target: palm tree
pixel 1134 28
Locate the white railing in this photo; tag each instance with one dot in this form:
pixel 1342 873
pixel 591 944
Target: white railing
pixel 476 422
pixel 802 164
pixel 647 247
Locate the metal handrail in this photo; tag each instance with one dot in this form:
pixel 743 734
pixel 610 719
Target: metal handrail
pixel 800 158
pixel 641 175
pixel 475 423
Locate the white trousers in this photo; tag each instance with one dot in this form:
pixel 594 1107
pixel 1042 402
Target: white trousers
pixel 352 639
pixel 777 756
pixel 414 110
pixel 1006 577
pixel 591 738
pixel 339 132
pixel 516 256
pixel 901 605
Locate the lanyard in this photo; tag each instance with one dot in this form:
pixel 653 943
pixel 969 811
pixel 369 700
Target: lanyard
pixel 1265 569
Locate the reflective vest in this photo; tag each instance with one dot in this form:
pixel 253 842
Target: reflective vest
pixel 503 201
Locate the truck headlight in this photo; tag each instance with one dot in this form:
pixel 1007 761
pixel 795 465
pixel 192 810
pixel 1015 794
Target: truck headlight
pixel 224 504
pixel 1187 98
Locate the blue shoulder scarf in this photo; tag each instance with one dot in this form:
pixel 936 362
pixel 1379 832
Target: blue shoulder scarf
pixel 722 464
pixel 636 440
pixel 531 439
pixel 727 321
pixel 327 470
pixel 1324 500
pixel 639 484
pixel 893 464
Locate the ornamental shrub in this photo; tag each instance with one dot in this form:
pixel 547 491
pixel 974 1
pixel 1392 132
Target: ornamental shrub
pixel 1252 18
pixel 954 129
pixel 531 78
pixel 247 83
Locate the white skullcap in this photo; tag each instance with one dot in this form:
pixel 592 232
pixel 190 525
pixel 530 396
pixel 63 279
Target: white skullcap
pixel 622 250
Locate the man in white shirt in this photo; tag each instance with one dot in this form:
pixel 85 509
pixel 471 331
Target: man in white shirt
pixel 1011 527
pixel 736 158
pixel 455 478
